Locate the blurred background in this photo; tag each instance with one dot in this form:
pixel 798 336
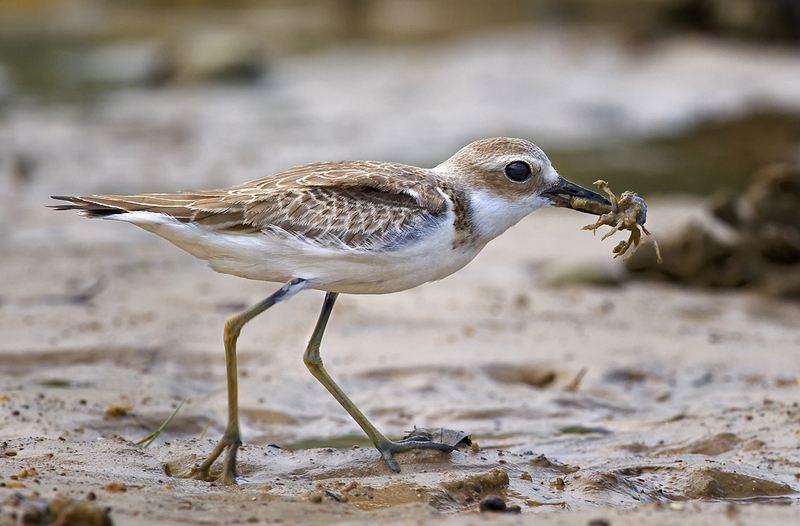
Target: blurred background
pixel 664 97
pixel 693 104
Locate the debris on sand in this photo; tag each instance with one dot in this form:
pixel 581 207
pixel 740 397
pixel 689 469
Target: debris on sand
pixel 63 511
pixel 764 252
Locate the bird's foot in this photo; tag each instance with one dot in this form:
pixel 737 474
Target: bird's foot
pixel 439 439
pixel 228 475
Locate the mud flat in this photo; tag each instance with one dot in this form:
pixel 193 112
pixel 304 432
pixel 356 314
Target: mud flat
pixel 590 397
pixel 617 401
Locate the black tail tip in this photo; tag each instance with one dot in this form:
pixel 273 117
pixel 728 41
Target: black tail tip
pixel 78 204
pixel 84 207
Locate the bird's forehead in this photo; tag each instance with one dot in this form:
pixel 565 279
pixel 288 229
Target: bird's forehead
pixel 500 151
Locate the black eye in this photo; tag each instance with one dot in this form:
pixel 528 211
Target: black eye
pixel 518 171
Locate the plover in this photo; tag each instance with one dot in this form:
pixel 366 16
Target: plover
pixel 355 227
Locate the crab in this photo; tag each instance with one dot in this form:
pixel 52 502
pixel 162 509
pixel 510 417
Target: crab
pixel 629 212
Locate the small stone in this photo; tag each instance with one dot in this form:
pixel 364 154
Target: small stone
pixel 495 503
pixel 492 503
pixel 116 487
pixel 118 409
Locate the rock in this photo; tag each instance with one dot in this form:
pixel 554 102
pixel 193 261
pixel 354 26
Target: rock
pixel 765 252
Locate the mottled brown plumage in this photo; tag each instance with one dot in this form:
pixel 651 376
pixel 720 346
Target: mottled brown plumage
pixel 360 204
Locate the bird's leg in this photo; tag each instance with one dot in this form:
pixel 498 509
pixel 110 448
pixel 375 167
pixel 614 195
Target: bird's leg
pixel 313 361
pixel 232 438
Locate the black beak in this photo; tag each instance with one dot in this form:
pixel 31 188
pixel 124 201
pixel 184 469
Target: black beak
pixel 569 195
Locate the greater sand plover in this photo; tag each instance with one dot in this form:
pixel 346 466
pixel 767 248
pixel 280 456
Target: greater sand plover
pixel 356 227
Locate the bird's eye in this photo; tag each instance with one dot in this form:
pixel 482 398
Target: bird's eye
pixel 518 171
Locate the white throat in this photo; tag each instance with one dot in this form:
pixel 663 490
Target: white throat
pixel 492 215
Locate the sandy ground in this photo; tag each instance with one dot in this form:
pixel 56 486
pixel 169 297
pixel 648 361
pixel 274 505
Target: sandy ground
pixel 628 402
pixel 688 411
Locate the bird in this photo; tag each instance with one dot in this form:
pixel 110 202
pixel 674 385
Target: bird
pixel 346 227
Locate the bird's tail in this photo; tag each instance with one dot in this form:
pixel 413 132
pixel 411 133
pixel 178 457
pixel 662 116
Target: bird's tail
pixel 84 206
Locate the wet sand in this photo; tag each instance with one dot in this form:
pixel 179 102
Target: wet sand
pixel 687 410
pixel 589 396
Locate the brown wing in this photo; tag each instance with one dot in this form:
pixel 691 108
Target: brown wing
pixel 358 203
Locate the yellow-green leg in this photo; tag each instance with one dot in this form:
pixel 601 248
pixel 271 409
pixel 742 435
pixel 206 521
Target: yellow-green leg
pixel 232 438
pixel 313 361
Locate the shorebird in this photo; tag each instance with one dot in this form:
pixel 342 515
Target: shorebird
pixel 353 227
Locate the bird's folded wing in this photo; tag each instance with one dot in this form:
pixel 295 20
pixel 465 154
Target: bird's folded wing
pixel 359 204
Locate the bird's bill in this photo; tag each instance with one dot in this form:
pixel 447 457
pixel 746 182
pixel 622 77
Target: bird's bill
pixel 569 195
